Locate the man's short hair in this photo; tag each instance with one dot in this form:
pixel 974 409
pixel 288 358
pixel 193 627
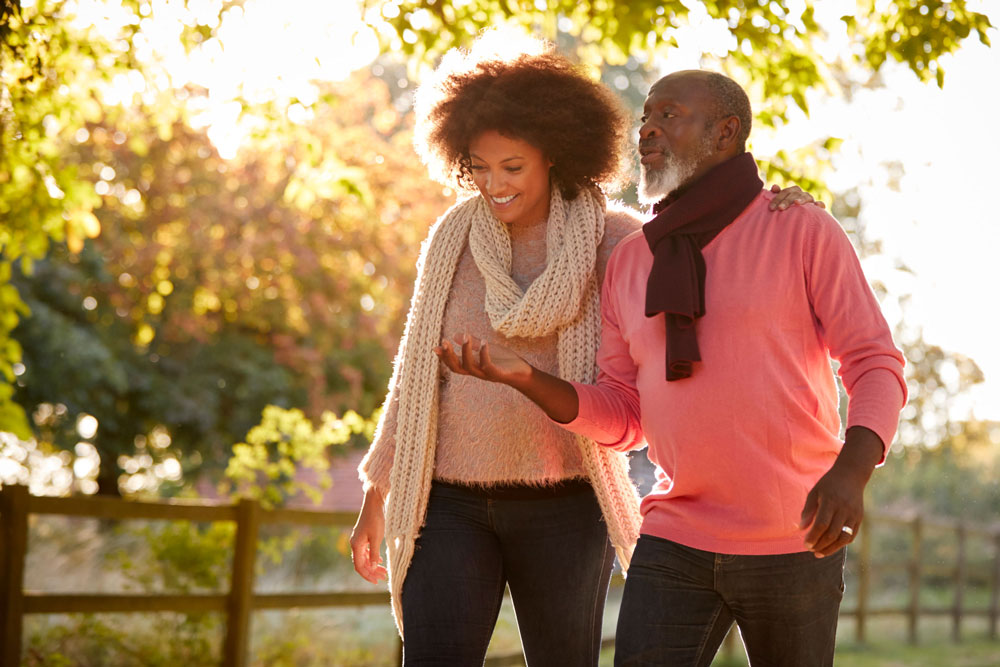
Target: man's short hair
pixel 730 100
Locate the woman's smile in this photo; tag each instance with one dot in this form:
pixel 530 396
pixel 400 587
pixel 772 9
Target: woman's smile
pixel 512 176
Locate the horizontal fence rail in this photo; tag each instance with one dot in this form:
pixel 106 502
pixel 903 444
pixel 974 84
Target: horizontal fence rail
pixel 16 505
pixel 918 570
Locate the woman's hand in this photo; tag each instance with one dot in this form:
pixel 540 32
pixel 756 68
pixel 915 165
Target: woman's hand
pixel 498 364
pixel 791 196
pixel 367 536
pixel 482 360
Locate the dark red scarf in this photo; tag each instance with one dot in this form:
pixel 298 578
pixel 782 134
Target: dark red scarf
pixel 685 223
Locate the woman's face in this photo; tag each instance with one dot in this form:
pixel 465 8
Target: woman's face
pixel 513 177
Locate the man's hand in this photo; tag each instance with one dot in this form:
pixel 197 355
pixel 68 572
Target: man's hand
pixel 479 359
pixel 367 536
pixel 791 196
pixel 835 507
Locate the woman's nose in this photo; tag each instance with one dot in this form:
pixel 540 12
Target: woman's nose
pixel 491 184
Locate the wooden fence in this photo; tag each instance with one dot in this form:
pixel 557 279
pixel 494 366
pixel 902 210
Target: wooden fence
pixel 917 568
pixel 16 505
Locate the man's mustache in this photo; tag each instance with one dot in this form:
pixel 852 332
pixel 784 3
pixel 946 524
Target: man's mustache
pixel 646 146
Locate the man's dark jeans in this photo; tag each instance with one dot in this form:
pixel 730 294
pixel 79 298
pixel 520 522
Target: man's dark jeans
pixel 553 552
pixel 679 603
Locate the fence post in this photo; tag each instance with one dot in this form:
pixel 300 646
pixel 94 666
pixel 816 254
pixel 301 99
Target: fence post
pixel 995 588
pixel 916 566
pixel 960 568
pixel 236 648
pixel 14 505
pixel 864 577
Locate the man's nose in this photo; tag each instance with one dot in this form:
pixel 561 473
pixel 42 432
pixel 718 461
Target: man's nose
pixel 647 130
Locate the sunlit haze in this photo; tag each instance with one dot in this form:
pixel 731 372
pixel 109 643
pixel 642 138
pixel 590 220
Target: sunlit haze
pixel 933 213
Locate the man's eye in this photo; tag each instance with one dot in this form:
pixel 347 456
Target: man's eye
pixel 643 118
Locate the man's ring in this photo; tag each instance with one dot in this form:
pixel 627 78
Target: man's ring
pixel 848 530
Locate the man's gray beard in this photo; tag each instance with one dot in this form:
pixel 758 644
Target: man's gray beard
pixel 655 184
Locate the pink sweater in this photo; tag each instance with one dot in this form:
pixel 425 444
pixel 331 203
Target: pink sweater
pixel 740 443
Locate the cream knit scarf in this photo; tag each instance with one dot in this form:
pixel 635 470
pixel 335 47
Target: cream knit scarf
pixel 563 299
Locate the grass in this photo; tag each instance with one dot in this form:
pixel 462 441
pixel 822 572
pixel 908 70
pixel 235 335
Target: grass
pixel 888 647
pixel 967 654
pixel 78 549
pixel 328 638
pixel 977 653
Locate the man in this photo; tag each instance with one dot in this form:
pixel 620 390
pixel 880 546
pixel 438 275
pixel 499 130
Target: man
pixel 719 322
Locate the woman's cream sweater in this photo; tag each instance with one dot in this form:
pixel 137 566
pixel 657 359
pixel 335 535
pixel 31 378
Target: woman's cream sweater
pixel 488 433
pixel 481 433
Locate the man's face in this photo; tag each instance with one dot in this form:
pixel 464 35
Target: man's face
pixel 676 140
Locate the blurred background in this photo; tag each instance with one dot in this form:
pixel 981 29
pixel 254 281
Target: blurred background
pixel 210 212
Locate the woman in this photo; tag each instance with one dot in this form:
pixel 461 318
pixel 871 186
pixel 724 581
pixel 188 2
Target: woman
pixel 482 490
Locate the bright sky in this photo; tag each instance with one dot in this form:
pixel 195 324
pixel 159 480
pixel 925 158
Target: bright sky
pixel 941 222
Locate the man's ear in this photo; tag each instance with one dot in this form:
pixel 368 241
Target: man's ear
pixel 728 133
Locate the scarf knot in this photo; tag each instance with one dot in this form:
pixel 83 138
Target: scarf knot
pixel 683 225
pixel 553 300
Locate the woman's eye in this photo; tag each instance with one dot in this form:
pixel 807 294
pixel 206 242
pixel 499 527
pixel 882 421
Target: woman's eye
pixel 513 170
pixel 477 167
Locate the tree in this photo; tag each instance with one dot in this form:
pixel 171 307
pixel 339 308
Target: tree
pixel 169 281
pixel 773 49
pixel 40 199
pixel 218 287
pixel 773 42
pixel 53 72
pixel 183 292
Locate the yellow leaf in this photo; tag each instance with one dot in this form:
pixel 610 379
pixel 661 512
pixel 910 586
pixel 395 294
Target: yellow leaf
pixel 144 336
pixel 74 241
pixel 89 224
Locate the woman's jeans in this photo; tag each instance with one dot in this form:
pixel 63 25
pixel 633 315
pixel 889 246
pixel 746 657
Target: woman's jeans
pixel 551 550
pixel 679 603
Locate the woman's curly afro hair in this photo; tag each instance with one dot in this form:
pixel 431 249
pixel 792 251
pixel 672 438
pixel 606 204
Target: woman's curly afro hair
pixel 541 98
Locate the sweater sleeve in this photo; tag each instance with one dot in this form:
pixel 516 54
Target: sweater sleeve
pixel 851 325
pixel 609 411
